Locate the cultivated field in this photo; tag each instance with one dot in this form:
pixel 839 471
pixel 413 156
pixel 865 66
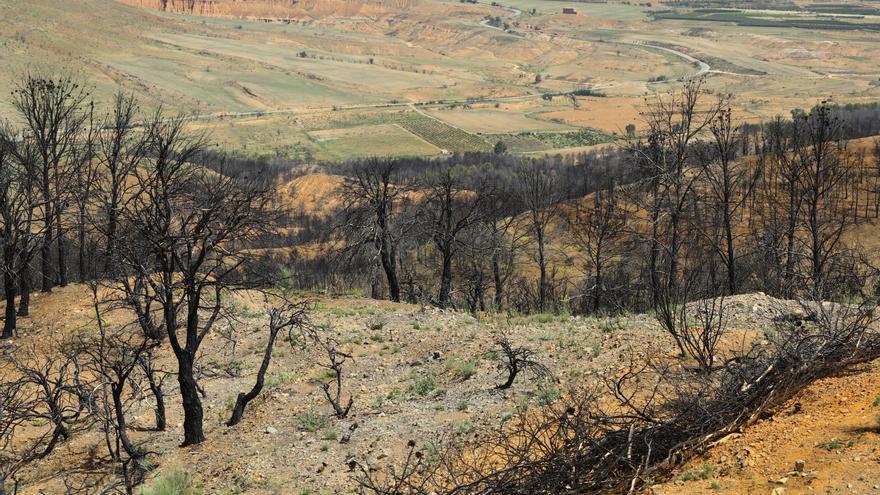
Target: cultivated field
pixel 269 78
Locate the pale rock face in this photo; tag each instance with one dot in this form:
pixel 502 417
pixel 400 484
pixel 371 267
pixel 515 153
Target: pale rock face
pixel 275 9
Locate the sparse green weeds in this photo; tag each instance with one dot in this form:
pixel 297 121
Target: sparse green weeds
pixel 178 482
pixel 704 472
pixel 311 421
pixel 423 384
pixel 462 369
pixel 547 394
pixel 836 444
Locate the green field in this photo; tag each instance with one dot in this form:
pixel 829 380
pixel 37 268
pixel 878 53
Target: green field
pixel 779 20
pixel 369 140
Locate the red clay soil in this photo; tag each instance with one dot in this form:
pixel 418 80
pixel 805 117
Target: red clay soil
pixel 833 427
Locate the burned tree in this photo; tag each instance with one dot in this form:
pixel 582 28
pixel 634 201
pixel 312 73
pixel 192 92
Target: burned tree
pixel 41 393
pixel 825 171
pixel 779 200
pixel 703 324
pixel 187 233
pixel 112 360
pixel 729 187
pixel 516 360
pixel 447 211
pixel 372 198
pixel 597 231
pixel 333 388
pixel 120 148
pixel 17 204
pixel 155 377
pixel 540 191
pixel 290 317
pixel 672 174
pixel 53 112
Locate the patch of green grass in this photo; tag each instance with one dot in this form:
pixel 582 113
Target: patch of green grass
pixel 704 472
pixel 423 385
pixel 311 421
pixel 335 310
pixel 432 454
pixel 324 376
pixel 543 318
pixel 876 402
pixel 835 444
pixel 178 482
pixel 278 379
pixel 610 325
pixel 464 428
pixel 462 369
pixel 547 394
pixel 329 434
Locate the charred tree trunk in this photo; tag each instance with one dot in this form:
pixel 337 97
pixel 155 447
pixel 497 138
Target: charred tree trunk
pixel 62 253
pixel 81 257
pixel 135 454
pixel 499 281
pixel 542 264
pixel 243 398
pixel 24 281
pixel 48 277
pixel 155 384
pixel 9 293
pixel 389 264
pixel 445 281
pixel 193 432
pixel 111 236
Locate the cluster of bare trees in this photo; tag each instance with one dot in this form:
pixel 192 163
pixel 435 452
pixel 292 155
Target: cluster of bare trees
pixel 163 239
pixel 715 210
pixel 700 206
pixel 454 223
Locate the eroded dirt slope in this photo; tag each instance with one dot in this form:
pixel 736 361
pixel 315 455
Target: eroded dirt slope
pixel 833 427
